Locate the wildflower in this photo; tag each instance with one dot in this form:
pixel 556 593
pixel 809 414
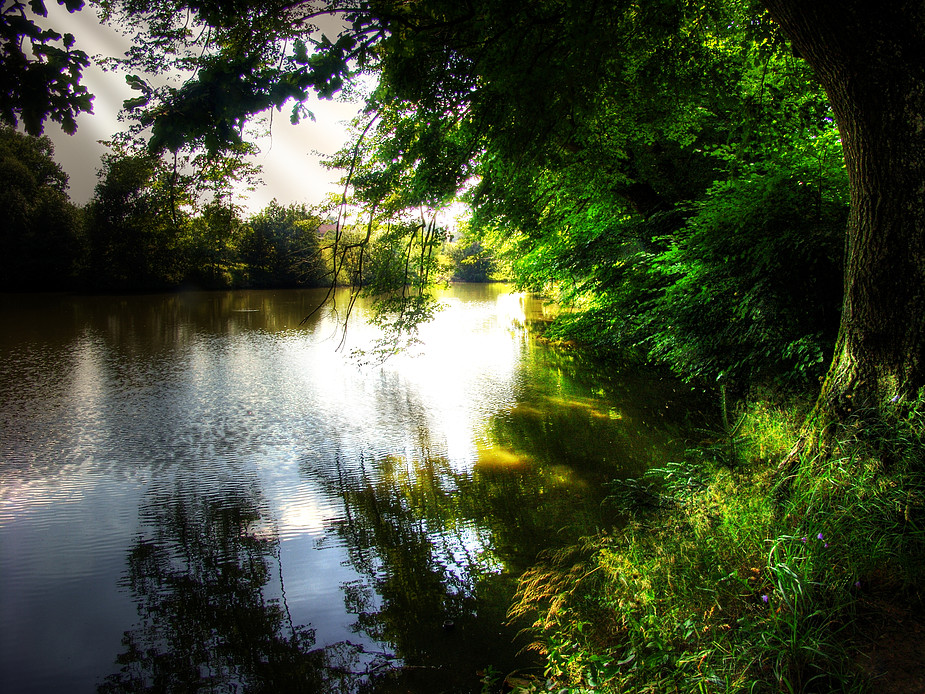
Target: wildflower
pixel 857 584
pixel 820 537
pixel 764 598
pixel 804 540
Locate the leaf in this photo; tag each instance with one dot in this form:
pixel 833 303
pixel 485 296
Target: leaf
pixel 136 83
pixel 627 660
pixel 137 102
pixel 69 124
pixel 301 52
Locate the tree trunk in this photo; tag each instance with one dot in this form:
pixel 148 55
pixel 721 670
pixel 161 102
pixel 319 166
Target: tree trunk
pixel 870 58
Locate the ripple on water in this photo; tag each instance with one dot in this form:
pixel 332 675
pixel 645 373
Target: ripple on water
pixel 67 531
pixel 153 419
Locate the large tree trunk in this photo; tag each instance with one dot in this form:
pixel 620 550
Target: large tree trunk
pixel 870 57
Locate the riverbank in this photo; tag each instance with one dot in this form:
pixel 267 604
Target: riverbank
pixel 719 582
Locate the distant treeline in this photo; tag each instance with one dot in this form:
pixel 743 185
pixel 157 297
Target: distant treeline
pixel 143 230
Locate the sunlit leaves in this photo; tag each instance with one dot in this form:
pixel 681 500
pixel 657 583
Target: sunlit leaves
pixel 228 62
pixel 281 247
pixel 754 279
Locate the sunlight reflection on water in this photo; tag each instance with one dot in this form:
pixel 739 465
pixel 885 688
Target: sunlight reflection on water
pixel 154 447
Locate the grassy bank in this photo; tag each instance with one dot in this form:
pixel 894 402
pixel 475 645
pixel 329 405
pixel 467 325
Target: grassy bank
pixel 718 583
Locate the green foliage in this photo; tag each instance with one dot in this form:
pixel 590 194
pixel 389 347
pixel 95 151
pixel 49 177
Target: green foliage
pixel 472 262
pixel 395 267
pixel 716 588
pixel 241 58
pixel 753 281
pixel 212 244
pixel 742 285
pixel 40 69
pixel 135 224
pixel 41 233
pixel 145 228
pixel 400 161
pixel 398 317
pixel 151 225
pixel 281 248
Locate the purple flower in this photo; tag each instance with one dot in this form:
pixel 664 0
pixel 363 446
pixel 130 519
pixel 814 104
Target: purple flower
pixel 764 598
pixel 820 537
pixel 804 539
pixel 857 584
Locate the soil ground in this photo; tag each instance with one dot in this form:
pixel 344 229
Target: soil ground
pixel 894 649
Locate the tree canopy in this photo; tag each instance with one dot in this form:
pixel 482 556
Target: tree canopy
pixel 729 188
pixel 626 154
pixel 40 69
pixel 41 233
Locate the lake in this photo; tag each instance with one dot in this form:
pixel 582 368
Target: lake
pixel 197 493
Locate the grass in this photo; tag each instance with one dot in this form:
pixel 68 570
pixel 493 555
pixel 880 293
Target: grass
pixel 713 584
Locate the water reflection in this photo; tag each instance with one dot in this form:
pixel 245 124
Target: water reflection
pixel 195 492
pixel 427 581
pixel 200 572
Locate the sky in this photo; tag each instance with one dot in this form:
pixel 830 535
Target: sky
pixel 289 156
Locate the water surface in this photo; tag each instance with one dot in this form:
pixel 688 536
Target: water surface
pixel 197 492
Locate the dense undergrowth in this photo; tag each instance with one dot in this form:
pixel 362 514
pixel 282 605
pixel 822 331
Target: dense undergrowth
pixel 715 583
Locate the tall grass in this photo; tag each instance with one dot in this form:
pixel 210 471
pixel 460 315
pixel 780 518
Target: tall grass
pixel 710 585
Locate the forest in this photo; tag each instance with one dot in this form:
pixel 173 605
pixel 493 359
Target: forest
pixel 150 228
pixel 729 190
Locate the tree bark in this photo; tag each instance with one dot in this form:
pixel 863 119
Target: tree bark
pixel 870 59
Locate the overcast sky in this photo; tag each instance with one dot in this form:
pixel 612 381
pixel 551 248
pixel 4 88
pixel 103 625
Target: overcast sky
pixel 291 171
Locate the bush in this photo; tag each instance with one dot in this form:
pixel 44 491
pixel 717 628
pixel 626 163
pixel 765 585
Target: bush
pixel 753 282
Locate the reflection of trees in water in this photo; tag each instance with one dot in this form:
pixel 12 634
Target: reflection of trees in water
pixel 205 624
pixel 428 585
pixel 432 542
pixel 574 430
pixel 644 390
pixel 597 420
pixel 582 436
